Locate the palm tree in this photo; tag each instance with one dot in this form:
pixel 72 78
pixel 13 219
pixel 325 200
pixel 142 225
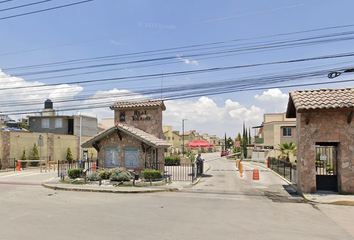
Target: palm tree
pixel 286 149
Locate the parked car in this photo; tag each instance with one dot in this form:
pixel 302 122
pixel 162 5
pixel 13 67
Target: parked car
pixel 224 153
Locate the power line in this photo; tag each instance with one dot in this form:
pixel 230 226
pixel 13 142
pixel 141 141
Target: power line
pixel 6 1
pixel 105 38
pixel 182 73
pixel 198 56
pixel 45 10
pixel 186 91
pixel 25 5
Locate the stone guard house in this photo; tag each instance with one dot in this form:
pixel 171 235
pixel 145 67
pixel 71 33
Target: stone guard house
pixel 325 138
pixel 136 141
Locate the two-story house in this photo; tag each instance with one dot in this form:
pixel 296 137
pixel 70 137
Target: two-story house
pixel 275 130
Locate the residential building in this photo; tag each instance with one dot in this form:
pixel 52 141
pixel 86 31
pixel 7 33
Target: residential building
pixel 49 122
pixel 275 130
pixel 173 138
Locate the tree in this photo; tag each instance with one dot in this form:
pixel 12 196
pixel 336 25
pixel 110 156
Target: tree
pixel 286 149
pixel 238 139
pixel 249 136
pixel 69 154
pixel 244 141
pixel 23 157
pixel 230 142
pixel 34 155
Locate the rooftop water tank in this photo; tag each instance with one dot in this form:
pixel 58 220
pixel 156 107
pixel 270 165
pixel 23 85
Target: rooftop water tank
pixel 48 104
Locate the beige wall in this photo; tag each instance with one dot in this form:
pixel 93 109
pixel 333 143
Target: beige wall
pixel 54 145
pixel 107 122
pixel 272 131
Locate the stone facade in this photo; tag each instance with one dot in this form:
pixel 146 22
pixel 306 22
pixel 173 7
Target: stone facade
pixel 112 141
pixel 330 127
pixel 146 119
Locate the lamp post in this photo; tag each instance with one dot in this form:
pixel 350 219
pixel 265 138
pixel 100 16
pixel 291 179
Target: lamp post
pixel 183 136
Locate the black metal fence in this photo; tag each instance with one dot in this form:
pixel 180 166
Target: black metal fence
pixel 180 172
pixel 286 169
pixel 64 165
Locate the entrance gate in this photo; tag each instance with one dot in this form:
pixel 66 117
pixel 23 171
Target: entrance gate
pixel 326 168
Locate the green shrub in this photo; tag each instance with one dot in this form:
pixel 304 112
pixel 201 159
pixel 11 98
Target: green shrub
pixel 75 173
pixel 100 173
pixel 173 161
pixel 69 155
pixel 34 155
pixel 104 173
pixel 23 157
pixel 119 174
pixel 329 168
pixel 95 176
pixel 152 174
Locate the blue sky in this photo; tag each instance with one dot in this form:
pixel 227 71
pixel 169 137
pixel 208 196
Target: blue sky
pixel 102 28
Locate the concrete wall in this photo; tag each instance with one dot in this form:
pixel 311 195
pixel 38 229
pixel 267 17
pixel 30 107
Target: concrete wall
pixel 325 127
pixel 88 127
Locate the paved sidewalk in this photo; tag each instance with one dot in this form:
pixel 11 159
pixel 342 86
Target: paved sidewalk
pixel 324 197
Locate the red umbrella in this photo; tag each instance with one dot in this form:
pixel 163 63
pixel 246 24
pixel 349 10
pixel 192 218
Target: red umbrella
pixel 199 143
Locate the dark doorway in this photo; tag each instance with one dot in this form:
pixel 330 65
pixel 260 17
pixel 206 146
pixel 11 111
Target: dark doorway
pixel 71 126
pixel 326 166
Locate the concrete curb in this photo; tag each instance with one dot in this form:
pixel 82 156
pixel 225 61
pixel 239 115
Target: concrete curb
pixel 303 195
pixel 46 185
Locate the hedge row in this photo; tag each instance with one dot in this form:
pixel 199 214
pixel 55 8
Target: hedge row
pixel 152 174
pixel 75 173
pixel 173 161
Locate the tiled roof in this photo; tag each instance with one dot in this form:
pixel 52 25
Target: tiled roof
pixel 144 104
pixel 143 136
pixel 301 100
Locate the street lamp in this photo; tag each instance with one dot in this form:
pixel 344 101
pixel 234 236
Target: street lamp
pixel 183 136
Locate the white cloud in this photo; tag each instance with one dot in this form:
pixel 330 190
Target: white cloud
pixel 274 100
pixel 108 98
pixel 187 61
pixel 18 95
pixel 205 116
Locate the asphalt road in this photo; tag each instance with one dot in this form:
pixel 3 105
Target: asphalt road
pixel 221 206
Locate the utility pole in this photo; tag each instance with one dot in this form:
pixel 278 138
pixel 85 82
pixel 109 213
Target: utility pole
pixel 183 136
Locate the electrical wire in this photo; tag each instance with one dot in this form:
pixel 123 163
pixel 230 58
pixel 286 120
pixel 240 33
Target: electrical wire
pixel 25 5
pixel 45 10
